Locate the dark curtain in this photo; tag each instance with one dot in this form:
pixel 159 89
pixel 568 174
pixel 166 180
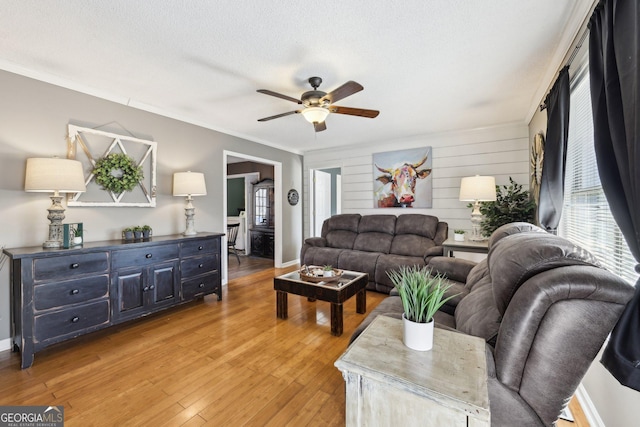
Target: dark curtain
pixel 555 153
pixel 615 91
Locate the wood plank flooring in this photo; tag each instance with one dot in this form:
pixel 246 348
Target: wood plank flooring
pixel 209 363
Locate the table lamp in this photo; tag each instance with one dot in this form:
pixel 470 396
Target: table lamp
pixel 54 175
pixel 189 184
pixel 477 189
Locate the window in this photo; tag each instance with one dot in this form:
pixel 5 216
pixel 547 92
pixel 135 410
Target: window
pixel 586 218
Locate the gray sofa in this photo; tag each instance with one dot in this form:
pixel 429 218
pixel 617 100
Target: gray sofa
pixel 375 244
pixel 544 307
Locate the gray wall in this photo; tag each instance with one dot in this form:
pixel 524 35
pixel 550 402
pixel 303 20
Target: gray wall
pixel 33 123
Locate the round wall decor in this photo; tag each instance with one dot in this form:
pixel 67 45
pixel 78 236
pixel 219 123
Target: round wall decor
pixel 117 173
pixel 293 197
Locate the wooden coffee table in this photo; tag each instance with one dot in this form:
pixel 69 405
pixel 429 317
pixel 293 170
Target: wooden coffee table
pixel 351 283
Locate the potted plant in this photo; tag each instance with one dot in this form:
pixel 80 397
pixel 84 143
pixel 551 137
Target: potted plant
pixel 458 235
pixel 422 294
pixel 327 271
pixel 127 233
pixel 512 205
pixel 137 232
pixel 146 231
pixel 77 236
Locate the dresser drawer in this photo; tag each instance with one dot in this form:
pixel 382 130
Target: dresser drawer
pixel 144 256
pixel 58 294
pixel 70 321
pixel 200 286
pixel 199 247
pixel 67 266
pixel 195 266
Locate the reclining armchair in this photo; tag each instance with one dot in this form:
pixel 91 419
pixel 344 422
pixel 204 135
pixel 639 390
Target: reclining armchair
pixel 544 306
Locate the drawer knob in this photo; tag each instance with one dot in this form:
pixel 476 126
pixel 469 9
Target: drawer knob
pixel 75 291
pixel 148 255
pixel 75 319
pixel 75 265
pixel 145 289
pixel 200 248
pixel 200 265
pixel 201 285
pixel 152 287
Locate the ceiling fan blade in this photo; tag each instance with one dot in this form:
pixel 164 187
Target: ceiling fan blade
pixel 319 127
pixel 354 111
pixel 277 116
pixel 279 95
pixel 349 88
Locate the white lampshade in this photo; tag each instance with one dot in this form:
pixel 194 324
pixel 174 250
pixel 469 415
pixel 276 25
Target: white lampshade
pixel 52 174
pixel 480 188
pixel 315 114
pixel 189 184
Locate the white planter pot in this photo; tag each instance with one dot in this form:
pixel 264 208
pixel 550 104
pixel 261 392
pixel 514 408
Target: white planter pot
pixel 327 273
pixel 458 237
pixel 417 336
pixel 77 240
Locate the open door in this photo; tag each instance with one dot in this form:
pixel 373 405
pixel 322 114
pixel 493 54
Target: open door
pixel 326 197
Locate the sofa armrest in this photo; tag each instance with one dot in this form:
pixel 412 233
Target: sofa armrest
pixel 452 268
pixel 316 241
pixel 433 251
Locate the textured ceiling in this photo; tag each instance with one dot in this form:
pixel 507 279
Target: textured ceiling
pixel 428 66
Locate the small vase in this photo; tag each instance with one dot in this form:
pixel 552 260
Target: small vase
pixel 458 237
pixel 128 235
pixel 77 240
pixel 137 235
pixel 417 336
pixel 146 234
pixel 327 274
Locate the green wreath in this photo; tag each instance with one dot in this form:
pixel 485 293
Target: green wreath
pixel 117 173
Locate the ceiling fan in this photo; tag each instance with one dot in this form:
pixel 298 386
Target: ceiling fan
pixel 318 104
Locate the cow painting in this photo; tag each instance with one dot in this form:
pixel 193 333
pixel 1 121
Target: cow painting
pixel 397 183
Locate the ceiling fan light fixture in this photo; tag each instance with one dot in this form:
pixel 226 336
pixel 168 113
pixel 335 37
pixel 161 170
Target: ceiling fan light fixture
pixel 315 114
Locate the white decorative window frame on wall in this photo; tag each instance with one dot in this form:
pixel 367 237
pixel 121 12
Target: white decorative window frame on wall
pixel 79 149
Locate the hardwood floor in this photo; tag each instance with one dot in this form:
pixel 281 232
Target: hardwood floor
pixel 213 363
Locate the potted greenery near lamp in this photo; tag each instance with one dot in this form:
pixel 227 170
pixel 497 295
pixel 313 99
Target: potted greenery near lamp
pixel 458 235
pixel 422 295
pixel 146 231
pixel 513 204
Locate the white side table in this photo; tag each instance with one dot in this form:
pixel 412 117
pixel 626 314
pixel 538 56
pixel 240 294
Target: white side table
pixel 451 245
pixel 390 384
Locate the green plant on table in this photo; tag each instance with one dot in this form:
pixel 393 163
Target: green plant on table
pixel 458 231
pixel 327 268
pixel 146 228
pixel 421 293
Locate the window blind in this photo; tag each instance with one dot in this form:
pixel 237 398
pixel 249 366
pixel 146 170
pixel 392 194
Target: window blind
pixel 586 218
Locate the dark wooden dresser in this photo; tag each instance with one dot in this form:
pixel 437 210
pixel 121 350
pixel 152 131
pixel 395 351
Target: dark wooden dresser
pixel 60 294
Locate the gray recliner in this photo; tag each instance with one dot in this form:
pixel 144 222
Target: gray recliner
pixel 545 307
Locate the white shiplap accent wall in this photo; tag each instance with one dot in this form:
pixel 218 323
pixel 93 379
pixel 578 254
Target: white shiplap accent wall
pixel 500 151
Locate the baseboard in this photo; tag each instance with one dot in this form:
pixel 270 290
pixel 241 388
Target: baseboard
pixel 589 409
pixel 290 263
pixel 5 344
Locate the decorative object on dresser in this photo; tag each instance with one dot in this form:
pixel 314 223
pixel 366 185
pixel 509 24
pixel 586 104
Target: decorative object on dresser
pixel 122 165
pixel 422 295
pixel 58 295
pixel 189 184
pixel 477 189
pixel 53 175
pixel 72 235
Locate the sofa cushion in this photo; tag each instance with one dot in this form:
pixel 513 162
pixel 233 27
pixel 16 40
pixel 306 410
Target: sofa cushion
pixel 364 262
pixel 322 256
pixel 341 230
pixel 512 228
pixel 411 245
pixel 421 225
pixel 521 256
pixel 373 242
pixel 378 223
pixel 392 262
pixel 477 315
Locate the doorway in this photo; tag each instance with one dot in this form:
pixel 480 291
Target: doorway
pixel 326 196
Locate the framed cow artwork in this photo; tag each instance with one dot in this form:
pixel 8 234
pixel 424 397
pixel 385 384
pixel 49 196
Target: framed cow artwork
pixel 402 179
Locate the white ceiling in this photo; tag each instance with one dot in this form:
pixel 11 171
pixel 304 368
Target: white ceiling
pixel 428 66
